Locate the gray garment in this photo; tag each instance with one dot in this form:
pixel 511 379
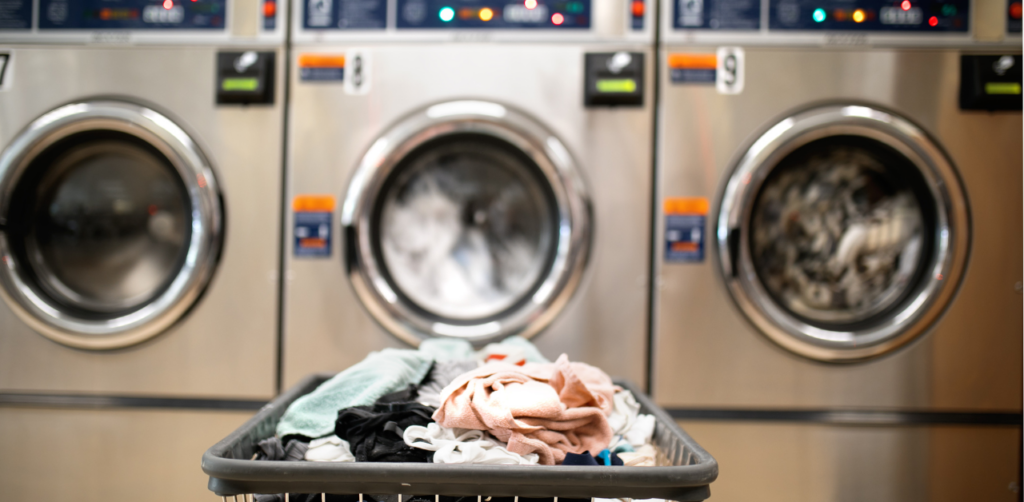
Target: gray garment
pixel 271 449
pixel 442 374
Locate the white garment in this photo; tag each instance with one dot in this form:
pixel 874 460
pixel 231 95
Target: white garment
pixel 626 421
pixel 645 456
pixel 463 446
pixel 329 449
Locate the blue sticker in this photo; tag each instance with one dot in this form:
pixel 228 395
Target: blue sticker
pixel 15 14
pixel 328 74
pixel 684 237
pixel 313 234
pixel 692 75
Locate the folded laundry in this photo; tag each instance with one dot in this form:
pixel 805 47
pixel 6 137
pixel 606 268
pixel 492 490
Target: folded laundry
pixel 271 449
pixel 380 373
pixel 544 408
pixel 440 376
pixel 375 432
pixel 329 449
pixel 463 446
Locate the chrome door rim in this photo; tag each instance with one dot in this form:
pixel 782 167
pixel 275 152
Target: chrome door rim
pixel 503 123
pixel 943 273
pixel 191 165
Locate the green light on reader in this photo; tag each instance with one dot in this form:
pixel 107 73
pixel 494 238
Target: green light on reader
pixel 948 10
pixel 818 15
pixel 1002 88
pixel 616 85
pixel 446 14
pixel 239 84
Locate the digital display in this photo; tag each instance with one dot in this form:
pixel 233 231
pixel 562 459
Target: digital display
pixel 870 15
pixel 717 14
pixel 493 14
pixel 131 14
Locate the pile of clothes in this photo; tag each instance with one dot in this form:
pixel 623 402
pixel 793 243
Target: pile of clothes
pixel 448 404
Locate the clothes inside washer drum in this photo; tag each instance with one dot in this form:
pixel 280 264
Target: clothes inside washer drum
pixel 834 238
pixel 466 230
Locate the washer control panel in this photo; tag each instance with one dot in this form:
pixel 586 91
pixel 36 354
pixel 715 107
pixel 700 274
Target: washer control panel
pixel 448 14
pixel 870 15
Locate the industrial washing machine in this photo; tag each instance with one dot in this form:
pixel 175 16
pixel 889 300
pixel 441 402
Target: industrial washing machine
pixel 474 170
pixel 837 309
pixel 140 180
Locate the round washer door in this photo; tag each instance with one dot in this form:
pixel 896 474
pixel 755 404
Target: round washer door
pixel 468 219
pixel 843 232
pixel 111 224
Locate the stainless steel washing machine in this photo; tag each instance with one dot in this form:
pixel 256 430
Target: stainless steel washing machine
pixel 139 223
pixel 472 170
pixel 838 255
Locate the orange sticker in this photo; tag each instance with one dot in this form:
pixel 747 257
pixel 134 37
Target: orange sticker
pixel 686 205
pixel 313 203
pixel 321 60
pixel 692 61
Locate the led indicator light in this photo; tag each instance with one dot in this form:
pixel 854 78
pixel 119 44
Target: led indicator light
pixel 269 9
pixel 933 21
pixel 948 10
pixel 858 16
pixel 839 14
pixel 486 14
pixel 530 4
pixel 168 4
pixel 1015 10
pixel 637 8
pixel 905 5
pixel 446 14
pixel 819 15
pixel 557 19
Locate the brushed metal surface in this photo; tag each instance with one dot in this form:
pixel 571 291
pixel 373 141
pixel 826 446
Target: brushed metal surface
pixel 707 354
pixel 818 463
pixel 327 329
pixel 225 346
pixel 106 455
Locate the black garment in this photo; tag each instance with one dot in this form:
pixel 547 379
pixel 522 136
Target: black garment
pixel 271 449
pixel 406 395
pixel 375 432
pixel 585 459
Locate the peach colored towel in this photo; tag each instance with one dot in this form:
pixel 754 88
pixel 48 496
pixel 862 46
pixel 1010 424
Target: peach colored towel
pixel 548 409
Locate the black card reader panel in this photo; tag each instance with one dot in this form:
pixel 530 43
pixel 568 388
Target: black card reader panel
pixel 990 82
pixel 614 79
pixel 245 77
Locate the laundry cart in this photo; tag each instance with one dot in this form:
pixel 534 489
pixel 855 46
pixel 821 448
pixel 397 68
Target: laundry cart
pixel 684 471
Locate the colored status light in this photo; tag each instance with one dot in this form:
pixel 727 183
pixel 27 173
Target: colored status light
pixel 446 14
pixel 905 5
pixel 933 21
pixel 637 8
pixel 269 9
pixel 858 16
pixel 1015 9
pixel 486 14
pixel 168 4
pixel 557 19
pixel 530 4
pixel 948 10
pixel 819 15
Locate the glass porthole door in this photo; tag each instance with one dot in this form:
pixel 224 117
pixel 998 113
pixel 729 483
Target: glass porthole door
pixel 843 232
pixel 469 220
pixel 111 224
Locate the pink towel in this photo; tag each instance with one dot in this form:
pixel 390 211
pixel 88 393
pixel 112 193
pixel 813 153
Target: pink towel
pixel 548 409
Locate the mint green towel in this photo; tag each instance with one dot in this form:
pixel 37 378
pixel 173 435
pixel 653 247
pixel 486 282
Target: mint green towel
pixel 384 372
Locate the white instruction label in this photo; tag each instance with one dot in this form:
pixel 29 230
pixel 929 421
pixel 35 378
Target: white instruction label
pixel 729 73
pixel 357 71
